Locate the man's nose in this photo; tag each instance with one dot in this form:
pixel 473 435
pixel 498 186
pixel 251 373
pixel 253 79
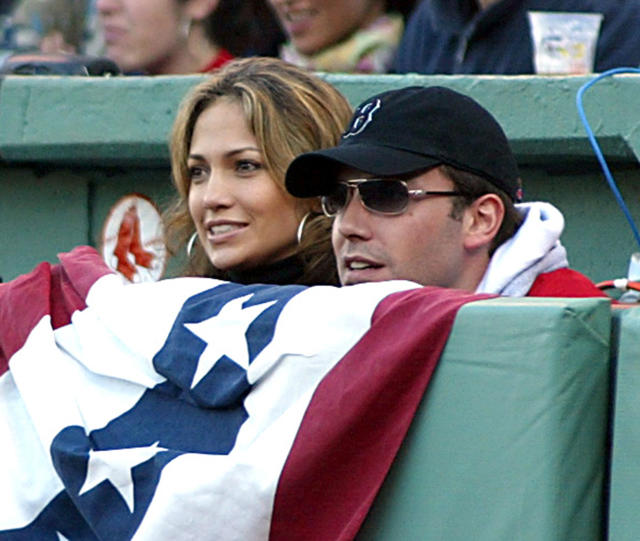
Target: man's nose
pixel 354 219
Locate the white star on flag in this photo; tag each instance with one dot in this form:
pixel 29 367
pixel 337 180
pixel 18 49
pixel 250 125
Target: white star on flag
pixel 116 465
pixel 61 537
pixel 225 334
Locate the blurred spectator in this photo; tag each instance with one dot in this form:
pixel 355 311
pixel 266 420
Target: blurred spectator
pixel 185 36
pixel 144 36
pixel 6 7
pixel 52 26
pixel 494 36
pixel 356 36
pixel 160 36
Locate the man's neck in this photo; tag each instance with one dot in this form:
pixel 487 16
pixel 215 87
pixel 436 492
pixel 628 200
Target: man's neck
pixel 472 272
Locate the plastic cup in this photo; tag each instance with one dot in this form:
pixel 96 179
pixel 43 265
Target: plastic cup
pixel 564 43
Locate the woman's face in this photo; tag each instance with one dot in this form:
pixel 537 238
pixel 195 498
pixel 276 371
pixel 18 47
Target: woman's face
pixel 313 25
pixel 144 35
pixel 243 219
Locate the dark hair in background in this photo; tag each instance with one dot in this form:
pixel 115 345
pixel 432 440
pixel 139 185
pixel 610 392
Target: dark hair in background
pixel 245 28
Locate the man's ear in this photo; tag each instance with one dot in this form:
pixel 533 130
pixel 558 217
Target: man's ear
pixel 482 220
pixel 200 9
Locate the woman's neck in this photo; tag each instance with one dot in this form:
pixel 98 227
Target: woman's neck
pixel 283 272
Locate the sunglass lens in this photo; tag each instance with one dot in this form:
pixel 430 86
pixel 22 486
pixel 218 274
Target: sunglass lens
pixel 387 196
pixel 336 200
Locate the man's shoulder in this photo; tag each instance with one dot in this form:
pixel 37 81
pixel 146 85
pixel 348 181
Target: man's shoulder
pixel 564 282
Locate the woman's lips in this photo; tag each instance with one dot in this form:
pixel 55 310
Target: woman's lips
pixel 221 232
pixel 113 34
pixel 298 22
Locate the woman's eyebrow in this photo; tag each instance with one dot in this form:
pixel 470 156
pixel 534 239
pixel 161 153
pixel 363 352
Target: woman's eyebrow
pixel 227 154
pixel 240 150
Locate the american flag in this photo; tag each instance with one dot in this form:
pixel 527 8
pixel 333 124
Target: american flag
pixel 193 408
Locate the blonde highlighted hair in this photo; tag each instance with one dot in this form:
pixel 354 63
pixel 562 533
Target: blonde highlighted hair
pixel 289 111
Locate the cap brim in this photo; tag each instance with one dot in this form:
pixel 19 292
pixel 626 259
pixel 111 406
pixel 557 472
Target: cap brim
pixel 314 173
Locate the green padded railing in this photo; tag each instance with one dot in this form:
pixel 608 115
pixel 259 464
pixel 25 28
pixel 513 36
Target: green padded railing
pixel 510 440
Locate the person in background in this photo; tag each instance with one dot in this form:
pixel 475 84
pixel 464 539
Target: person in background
pixel 233 138
pixel 53 26
pixel 157 37
pixel 358 36
pixel 423 186
pixel 494 36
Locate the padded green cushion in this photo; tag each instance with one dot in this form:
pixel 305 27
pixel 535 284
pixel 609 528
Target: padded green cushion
pixel 624 509
pixel 509 442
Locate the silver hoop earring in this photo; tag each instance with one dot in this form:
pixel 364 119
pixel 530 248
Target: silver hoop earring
pixel 301 227
pixel 192 241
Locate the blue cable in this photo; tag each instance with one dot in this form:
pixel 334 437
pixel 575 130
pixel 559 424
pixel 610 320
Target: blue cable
pixel 596 147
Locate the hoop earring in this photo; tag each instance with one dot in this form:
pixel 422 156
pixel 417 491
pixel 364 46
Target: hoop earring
pixel 190 244
pixel 301 226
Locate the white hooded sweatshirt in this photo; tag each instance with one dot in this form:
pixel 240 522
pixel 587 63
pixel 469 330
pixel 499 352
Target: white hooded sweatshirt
pixel 533 250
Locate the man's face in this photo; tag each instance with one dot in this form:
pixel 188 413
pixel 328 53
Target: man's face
pixel 424 244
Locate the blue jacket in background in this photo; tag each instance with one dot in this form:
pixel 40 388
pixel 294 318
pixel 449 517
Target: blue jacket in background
pixel 453 36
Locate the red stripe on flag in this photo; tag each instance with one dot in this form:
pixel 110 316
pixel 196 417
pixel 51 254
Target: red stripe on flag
pixel 359 415
pixel 58 290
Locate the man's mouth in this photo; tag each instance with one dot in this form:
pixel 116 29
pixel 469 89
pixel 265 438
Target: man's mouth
pixel 358 264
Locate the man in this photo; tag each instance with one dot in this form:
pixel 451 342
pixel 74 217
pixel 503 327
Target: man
pixel 494 36
pixel 423 186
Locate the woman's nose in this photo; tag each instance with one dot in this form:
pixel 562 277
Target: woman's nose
pixel 217 193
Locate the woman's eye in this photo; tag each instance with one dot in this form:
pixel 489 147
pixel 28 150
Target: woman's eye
pixel 247 166
pixel 197 173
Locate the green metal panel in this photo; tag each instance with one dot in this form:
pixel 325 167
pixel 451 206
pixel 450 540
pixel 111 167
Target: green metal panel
pixel 510 439
pixel 51 210
pixel 598 238
pixel 126 120
pixel 41 214
pixel 89 120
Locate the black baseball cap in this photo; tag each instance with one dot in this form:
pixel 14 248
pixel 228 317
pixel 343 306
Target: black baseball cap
pixel 402 131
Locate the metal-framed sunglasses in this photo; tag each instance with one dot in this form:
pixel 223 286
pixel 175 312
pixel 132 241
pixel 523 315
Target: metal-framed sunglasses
pixel 378 195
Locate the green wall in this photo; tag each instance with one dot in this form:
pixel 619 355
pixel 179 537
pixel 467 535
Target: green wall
pixel 70 146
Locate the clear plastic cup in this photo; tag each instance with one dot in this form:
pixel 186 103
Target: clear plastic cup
pixel 564 43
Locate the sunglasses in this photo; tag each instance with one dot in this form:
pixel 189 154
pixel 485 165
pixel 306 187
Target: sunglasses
pixel 381 196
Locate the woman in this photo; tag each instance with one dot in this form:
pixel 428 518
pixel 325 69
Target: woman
pixel 359 36
pixel 233 138
pixel 184 36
